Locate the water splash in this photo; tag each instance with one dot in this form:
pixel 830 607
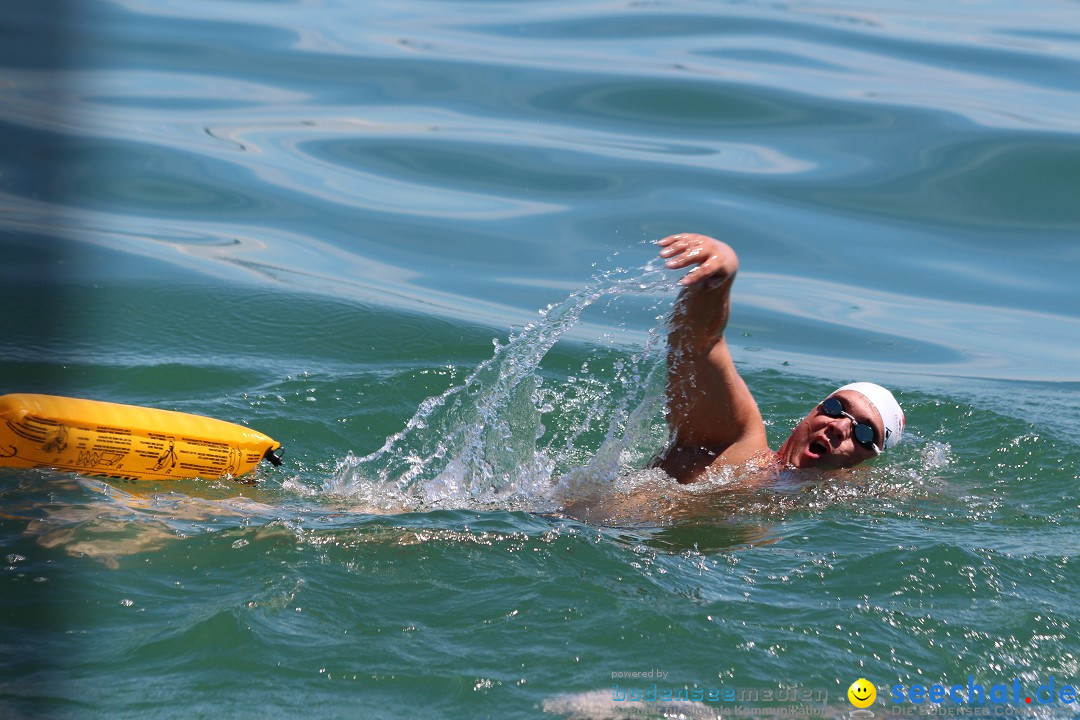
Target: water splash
pixel 515 433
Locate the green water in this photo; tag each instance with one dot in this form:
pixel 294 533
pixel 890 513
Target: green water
pixel 412 242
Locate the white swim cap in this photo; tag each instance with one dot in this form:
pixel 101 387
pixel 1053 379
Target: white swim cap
pixel 883 401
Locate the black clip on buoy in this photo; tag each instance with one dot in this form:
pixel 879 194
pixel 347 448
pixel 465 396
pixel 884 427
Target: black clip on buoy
pixel 275 460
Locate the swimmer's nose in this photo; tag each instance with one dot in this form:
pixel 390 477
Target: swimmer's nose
pixel 838 430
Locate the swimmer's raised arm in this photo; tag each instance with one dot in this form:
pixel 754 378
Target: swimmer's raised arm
pixel 710 410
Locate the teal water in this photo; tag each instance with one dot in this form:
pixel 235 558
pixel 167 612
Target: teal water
pixel 412 242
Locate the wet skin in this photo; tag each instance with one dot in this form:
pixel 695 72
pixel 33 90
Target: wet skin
pixel 713 417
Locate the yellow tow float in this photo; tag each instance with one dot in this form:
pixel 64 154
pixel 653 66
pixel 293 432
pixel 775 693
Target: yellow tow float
pixel 125 441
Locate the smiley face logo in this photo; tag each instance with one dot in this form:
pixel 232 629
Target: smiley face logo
pixel 861 693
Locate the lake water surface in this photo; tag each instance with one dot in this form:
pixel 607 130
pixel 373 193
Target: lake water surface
pixel 412 241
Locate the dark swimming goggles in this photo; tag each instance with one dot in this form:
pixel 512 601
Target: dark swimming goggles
pixel 864 433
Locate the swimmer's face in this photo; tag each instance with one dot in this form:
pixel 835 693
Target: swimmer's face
pixel 828 443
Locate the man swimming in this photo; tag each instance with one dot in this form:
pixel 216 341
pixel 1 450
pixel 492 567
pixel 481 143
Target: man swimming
pixel 715 421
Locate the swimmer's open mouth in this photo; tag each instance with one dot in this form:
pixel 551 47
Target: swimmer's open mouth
pixel 818 448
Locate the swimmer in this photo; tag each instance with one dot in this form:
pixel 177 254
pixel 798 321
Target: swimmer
pixel 714 419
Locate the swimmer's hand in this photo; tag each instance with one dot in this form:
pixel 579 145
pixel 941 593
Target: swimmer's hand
pixel 716 262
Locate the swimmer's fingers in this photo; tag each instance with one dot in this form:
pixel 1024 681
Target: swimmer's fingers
pixel 672 239
pixel 714 259
pixel 674 243
pixel 683 250
pixel 711 269
pixel 708 264
pixel 679 256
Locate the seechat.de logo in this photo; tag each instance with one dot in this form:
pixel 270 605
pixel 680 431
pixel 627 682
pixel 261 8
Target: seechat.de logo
pixel 861 693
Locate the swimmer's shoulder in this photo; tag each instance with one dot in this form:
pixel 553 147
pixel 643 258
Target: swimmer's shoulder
pixel 690 464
